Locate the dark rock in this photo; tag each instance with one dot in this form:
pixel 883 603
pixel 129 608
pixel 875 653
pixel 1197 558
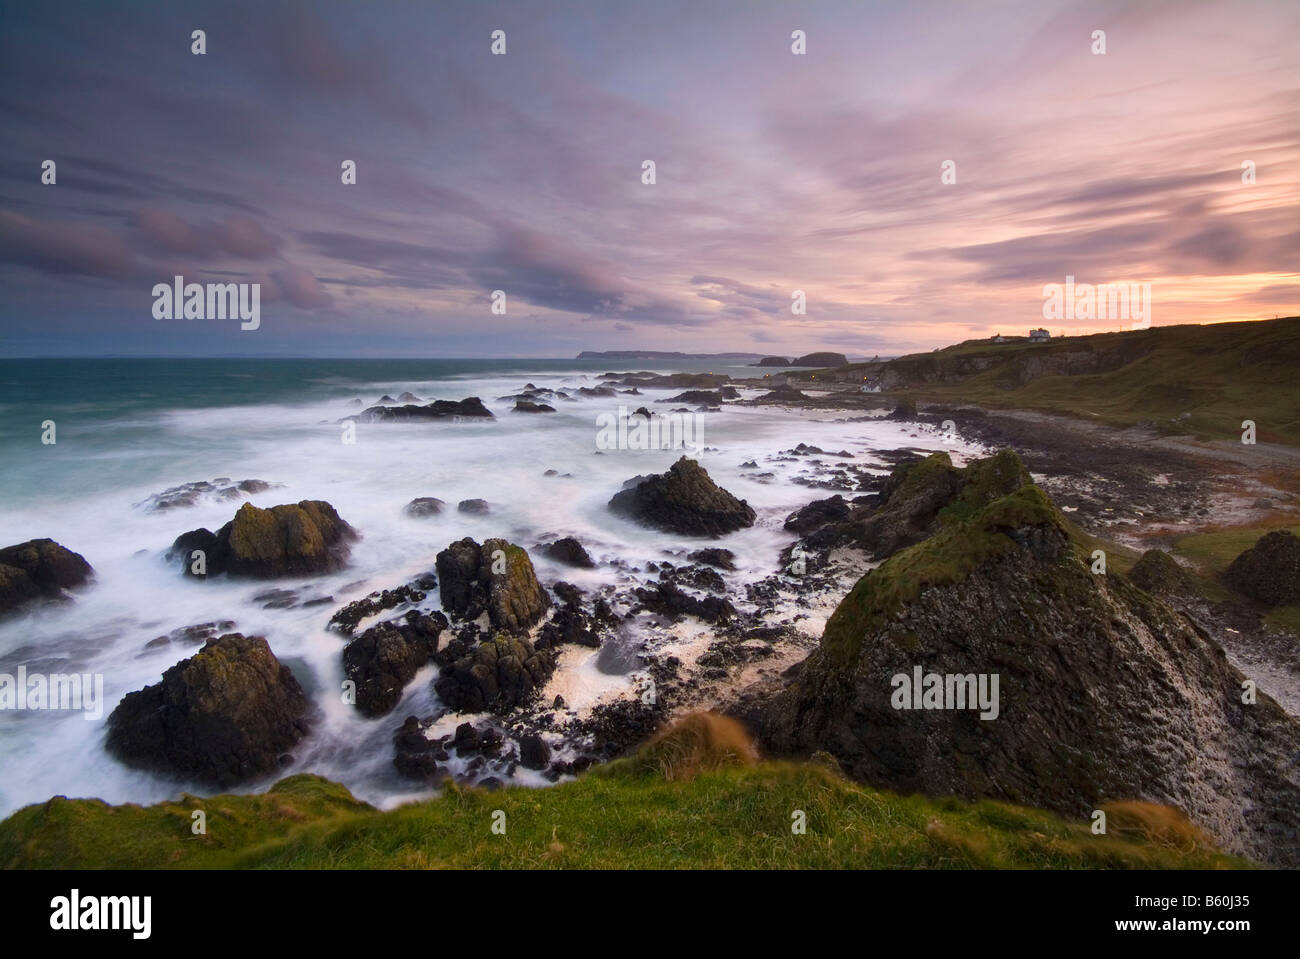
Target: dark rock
pixel 498 674
pixel 817 514
pixel 714 556
pixel 384 658
pixel 189 494
pixel 1104 691
pixel 496 577
pixel 822 360
pixel 670 600
pixel 783 394
pixel 773 361
pixel 570 552
pixel 424 506
pixel 1159 574
pixel 39 568
pixel 683 500
pixel 534 753
pixel 223 716
pixel 346 619
pixel 416 756
pixel 706 397
pixel 291 540
pixel 438 410
pixel 1270 570
pixel 467 740
pixel 905 410
pixel 474 507
pixel 528 406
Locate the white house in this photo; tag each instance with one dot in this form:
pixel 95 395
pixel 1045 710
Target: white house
pixel 1039 335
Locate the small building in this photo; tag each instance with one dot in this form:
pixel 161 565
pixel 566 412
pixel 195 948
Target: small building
pixel 1039 335
pixel 999 338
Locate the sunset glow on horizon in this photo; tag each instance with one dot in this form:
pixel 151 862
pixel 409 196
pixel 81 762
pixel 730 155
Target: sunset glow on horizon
pixel 1173 158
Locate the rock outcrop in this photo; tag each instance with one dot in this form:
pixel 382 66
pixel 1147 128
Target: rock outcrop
pixel 423 506
pixel 496 578
pixel 530 406
pixel 299 539
pixel 225 715
pixel 822 360
pixel 189 494
pixel 39 568
pixel 471 407
pixel 1103 691
pixel 497 674
pixel 1159 574
pixel 1270 570
pixel 570 552
pixel 683 500
pixel 384 658
pixel 912 502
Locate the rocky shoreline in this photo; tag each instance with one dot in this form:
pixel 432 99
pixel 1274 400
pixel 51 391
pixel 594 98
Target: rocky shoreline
pixel 497 636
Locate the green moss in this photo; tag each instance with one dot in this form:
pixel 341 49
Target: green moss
pixel 949 556
pixel 1200 380
pixel 617 817
pixel 985 480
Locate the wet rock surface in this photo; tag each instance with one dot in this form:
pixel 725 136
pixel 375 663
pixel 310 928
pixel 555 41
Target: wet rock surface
pixel 299 539
pixel 386 657
pixel 496 578
pixel 225 715
pixel 1269 571
pixel 39 569
pixel 683 500
pixel 471 407
pixel 1087 711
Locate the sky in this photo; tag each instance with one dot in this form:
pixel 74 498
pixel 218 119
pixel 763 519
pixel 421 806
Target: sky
pixel 774 172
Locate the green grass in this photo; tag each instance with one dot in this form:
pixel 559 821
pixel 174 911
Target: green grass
pixel 619 816
pixel 1212 553
pixel 1202 380
pixel 949 556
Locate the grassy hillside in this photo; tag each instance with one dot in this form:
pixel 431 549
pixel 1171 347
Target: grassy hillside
pixel 1203 380
pixel 627 815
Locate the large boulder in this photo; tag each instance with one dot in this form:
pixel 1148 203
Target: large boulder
pixel 1270 570
pixel 1103 692
pixel 471 407
pixel 297 539
pixel 497 674
pixel 570 552
pixel 384 658
pixel 225 715
pixel 39 568
pixel 496 578
pixel 1159 574
pixel 683 500
pixel 817 514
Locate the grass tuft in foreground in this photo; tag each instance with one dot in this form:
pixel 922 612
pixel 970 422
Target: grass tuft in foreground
pixel 693 798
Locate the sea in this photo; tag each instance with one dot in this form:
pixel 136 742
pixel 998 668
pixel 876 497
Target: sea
pixel 124 430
